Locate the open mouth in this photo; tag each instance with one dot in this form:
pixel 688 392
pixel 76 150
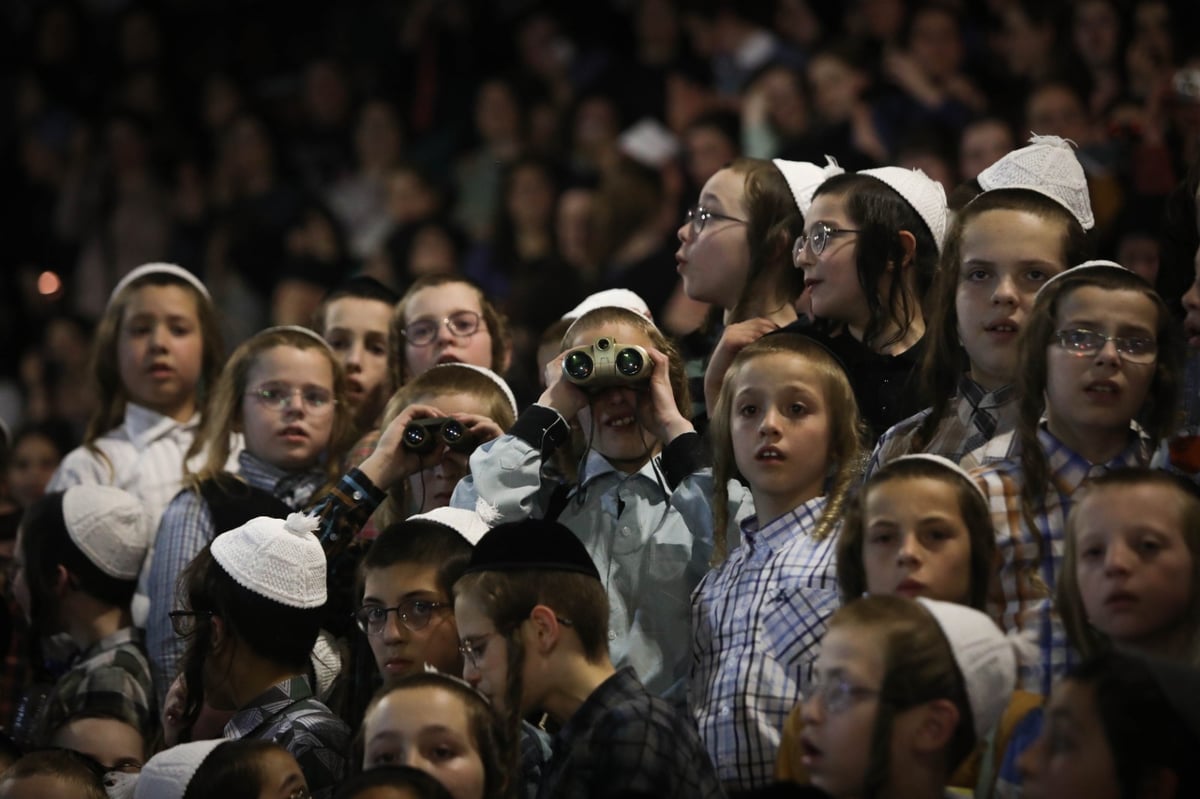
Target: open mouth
pixel 768 454
pixel 448 358
pixel 294 432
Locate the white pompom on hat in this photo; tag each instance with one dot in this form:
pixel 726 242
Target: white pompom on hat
pixel 500 382
pixel 611 298
pixel 986 658
pixel 109 526
pixel 804 178
pixel 1075 270
pixel 467 523
pixel 167 774
pixel 279 559
pixel 159 269
pixel 1047 165
pixel 925 195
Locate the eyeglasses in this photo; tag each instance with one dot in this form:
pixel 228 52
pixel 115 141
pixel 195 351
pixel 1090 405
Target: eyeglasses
pixel 816 240
pixel 279 396
pixel 698 215
pixel 838 695
pixel 422 332
pixel 1085 343
pixel 183 622
pixel 300 793
pixel 413 613
pixel 475 650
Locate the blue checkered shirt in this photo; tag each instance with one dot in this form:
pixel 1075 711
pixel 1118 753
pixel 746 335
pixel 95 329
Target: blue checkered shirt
pixel 757 620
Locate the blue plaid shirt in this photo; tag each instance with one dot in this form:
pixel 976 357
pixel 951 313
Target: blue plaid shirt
pixel 757 620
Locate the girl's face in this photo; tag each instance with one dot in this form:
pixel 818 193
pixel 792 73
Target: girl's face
pixel 485 666
pixel 432 486
pixel 33 462
pixel 610 420
pixel 832 276
pixel 1087 396
pixel 714 263
pixel 357 331
pixel 400 650
pixel 293 437
pixel 839 712
pixel 781 431
pixel 426 728
pixel 160 350
pixel 434 305
pixel 1006 257
pixel 279 775
pixel 1133 565
pixel 915 542
pixel 1072 756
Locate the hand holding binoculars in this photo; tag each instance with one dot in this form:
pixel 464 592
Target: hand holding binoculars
pixel 607 363
pixel 423 436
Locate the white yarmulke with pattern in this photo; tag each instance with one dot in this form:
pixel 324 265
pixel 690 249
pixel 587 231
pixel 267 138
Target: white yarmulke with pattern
pixel 1075 270
pixel 1049 166
pixel 159 269
pixel 167 774
pixel 925 195
pixel 611 298
pixel 467 523
pixel 804 178
pixel 945 463
pixel 986 658
pixel 281 560
pixel 109 526
pixel 500 382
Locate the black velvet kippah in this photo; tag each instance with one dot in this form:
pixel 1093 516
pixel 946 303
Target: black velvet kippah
pixel 531 545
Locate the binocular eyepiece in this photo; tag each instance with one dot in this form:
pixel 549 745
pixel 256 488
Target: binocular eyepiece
pixel 607 363
pixel 423 436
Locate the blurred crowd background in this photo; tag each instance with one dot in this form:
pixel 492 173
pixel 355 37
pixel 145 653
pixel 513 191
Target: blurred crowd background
pixel 545 149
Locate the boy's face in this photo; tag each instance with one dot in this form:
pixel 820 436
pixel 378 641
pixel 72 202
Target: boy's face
pixel 398 648
pixel 486 665
pixel 357 332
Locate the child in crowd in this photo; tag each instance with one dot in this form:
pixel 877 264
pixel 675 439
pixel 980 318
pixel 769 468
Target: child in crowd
pixel 254 599
pixel 786 422
pixel 156 357
pixel 869 252
pixel 533 620
pixel 622 506
pixel 1100 351
pixel 52 773
pixel 355 318
pixel 476 397
pixel 284 391
pixel 1029 224
pixel 440 725
pixel 112 741
pixel 217 767
pixel 37 450
pixel 392 782
pixel 78 556
pixel 905 690
pixel 1131 567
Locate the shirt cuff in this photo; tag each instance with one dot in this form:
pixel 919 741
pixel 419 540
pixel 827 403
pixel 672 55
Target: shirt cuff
pixel 685 455
pixel 543 428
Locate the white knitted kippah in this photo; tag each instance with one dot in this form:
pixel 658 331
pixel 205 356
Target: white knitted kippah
pixel 281 560
pixel 159 269
pixel 945 463
pixel 1047 165
pixel 109 526
pixel 467 523
pixel 925 195
pixel 314 335
pixel 488 373
pixel 1075 270
pixel 611 298
pixel 804 177
pixel 986 658
pixel 167 774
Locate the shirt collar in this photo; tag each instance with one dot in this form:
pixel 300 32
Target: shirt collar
pixel 1068 470
pixel 979 397
pixel 258 472
pixel 616 689
pixel 780 531
pixel 596 466
pixel 125 635
pixel 267 705
pixel 144 426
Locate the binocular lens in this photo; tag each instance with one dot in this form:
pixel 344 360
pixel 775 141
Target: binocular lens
pixel 578 365
pixel 629 362
pixel 453 432
pixel 415 436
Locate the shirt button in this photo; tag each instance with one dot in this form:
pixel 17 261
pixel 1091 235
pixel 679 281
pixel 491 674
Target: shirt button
pixel 624 531
pixel 612 636
pixel 724 710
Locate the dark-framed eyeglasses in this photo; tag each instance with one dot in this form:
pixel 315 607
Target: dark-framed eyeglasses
pixel 415 614
pixel 816 240
pixel 184 622
pixel 422 332
pixel 699 216
pixel 1085 343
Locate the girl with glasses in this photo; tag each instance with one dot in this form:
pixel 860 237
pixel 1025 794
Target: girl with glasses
pixel 283 390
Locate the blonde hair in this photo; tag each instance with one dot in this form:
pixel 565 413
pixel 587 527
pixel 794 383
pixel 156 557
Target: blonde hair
pixel 440 381
pixel 846 434
pixel 225 415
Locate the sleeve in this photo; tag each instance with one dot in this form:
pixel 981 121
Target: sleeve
pixel 114 691
pixel 185 529
pixel 82 466
pixel 690 477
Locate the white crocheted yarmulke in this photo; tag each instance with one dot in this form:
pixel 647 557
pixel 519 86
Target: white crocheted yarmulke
pixel 804 177
pixel 1074 270
pixel 109 526
pixel 467 523
pixel 167 774
pixel 500 382
pixel 281 560
pixel 986 658
pixel 159 269
pixel 314 335
pixel 611 298
pixel 945 463
pixel 1047 165
pixel 925 195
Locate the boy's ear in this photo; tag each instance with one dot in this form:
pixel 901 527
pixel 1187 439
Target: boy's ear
pixel 218 634
pixel 935 731
pixel 908 246
pixel 63 581
pixel 546 629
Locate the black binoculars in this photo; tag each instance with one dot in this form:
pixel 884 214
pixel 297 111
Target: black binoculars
pixel 422 436
pixel 607 363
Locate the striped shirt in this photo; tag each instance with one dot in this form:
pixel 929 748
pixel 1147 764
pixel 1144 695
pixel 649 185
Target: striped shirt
pixel 1022 591
pixel 757 619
